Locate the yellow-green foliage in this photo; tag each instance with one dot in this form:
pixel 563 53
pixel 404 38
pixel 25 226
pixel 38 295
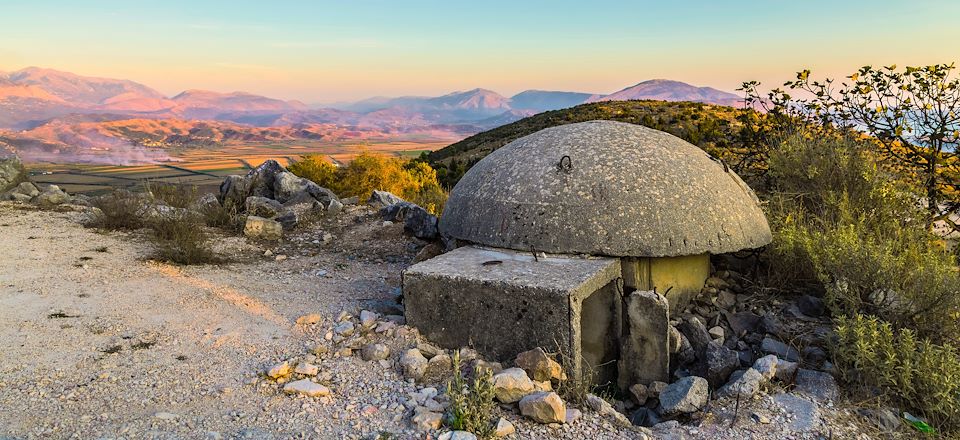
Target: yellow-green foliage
pixel 471 404
pixel 912 370
pixel 842 223
pixel 415 181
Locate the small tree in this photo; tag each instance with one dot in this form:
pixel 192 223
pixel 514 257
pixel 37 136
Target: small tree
pixel 914 114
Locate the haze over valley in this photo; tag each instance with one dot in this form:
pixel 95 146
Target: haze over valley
pixel 54 116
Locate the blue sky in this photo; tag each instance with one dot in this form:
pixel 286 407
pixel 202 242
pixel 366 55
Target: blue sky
pixel 326 51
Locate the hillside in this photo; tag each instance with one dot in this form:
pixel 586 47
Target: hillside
pixel 711 127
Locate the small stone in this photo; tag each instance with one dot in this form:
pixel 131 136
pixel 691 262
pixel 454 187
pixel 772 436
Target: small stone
pixel 767 366
pixel 368 319
pixel 744 386
pixel 320 349
pixel 438 366
pixel 262 228
pixel 674 340
pixel 544 407
pixel 306 388
pixel 414 364
pixel 684 396
pixel 655 388
pixel 716 332
pixel 344 328
pixel 573 415
pixel 539 365
pixel 760 418
pixel 504 428
pixel 429 350
pixel 511 385
pixel 818 384
pixel 279 370
pixel 427 420
pixel 166 416
pixel 457 435
pixel 773 346
pixel 639 393
pixel 307 369
pixel 345 352
pixel 312 318
pixel 374 352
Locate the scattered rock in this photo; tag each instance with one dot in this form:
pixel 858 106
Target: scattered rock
pixel 746 385
pixel 684 396
pixel 539 365
pixel 415 365
pixel 426 420
pixel 719 362
pixel 773 346
pixel 368 319
pixel 457 435
pixel 811 306
pixel 307 369
pixel 544 407
pixel 767 366
pixel 572 416
pixel 416 220
pixel 511 385
pixel 605 409
pixel 818 384
pixel 262 206
pixel 504 428
pixel 374 352
pixel 760 418
pixel 674 340
pixel 786 371
pixel 52 196
pixel 883 418
pixel 12 171
pixel 439 366
pixel 279 370
pixel 344 328
pixel 716 332
pixel 262 228
pixel 639 393
pixel 655 388
pixel 382 199
pixel 307 388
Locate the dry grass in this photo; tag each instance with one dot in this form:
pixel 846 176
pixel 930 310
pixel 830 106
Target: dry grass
pixel 119 210
pixel 180 238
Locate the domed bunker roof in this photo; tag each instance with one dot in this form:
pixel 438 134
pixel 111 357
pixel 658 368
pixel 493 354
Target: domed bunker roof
pixel 605 188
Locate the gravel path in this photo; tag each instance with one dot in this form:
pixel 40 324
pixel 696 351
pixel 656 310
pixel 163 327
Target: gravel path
pixel 99 342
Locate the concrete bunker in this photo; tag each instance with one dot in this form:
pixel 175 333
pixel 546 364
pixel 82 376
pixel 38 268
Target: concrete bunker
pixel 621 218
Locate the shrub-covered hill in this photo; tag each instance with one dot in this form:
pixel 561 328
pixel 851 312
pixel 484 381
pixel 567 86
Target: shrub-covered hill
pixel 712 127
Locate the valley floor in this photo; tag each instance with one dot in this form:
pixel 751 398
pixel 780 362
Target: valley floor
pixel 96 341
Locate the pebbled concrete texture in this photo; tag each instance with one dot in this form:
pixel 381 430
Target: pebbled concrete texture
pixel 503 302
pixel 605 188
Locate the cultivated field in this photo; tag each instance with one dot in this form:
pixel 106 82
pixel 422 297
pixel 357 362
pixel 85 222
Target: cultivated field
pixel 206 168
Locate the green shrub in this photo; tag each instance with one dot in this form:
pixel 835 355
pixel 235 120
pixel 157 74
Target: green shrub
pixel 120 209
pixel 848 227
pixel 913 371
pixel 471 405
pixel 180 238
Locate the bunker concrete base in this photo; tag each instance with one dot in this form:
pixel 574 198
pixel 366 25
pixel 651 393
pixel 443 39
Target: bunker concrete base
pixel 644 354
pixel 679 279
pixel 503 302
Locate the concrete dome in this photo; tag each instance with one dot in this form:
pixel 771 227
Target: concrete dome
pixel 605 188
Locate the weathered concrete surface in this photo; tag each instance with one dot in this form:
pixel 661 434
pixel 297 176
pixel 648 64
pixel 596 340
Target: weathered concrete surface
pixel 679 279
pixel 504 302
pixel 605 188
pixel 644 354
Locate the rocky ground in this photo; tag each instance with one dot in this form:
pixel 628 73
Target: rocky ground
pixel 100 342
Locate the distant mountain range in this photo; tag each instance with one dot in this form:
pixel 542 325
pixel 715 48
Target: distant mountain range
pixel 50 107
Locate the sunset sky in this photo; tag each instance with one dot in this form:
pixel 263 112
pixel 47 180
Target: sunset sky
pixel 328 51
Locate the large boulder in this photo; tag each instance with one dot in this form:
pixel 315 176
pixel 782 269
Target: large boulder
pixel 234 191
pixel 287 187
pixel 382 199
pixel 262 206
pixel 263 179
pixel 11 170
pixel 52 196
pixel 415 219
pixel 511 385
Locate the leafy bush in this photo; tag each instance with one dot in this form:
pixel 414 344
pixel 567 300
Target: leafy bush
pixel 120 209
pixel 912 370
pixel 180 238
pixel 848 227
pixel 472 405
pixel 415 181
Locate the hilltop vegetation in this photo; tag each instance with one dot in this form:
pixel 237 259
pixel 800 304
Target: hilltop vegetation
pixel 711 127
